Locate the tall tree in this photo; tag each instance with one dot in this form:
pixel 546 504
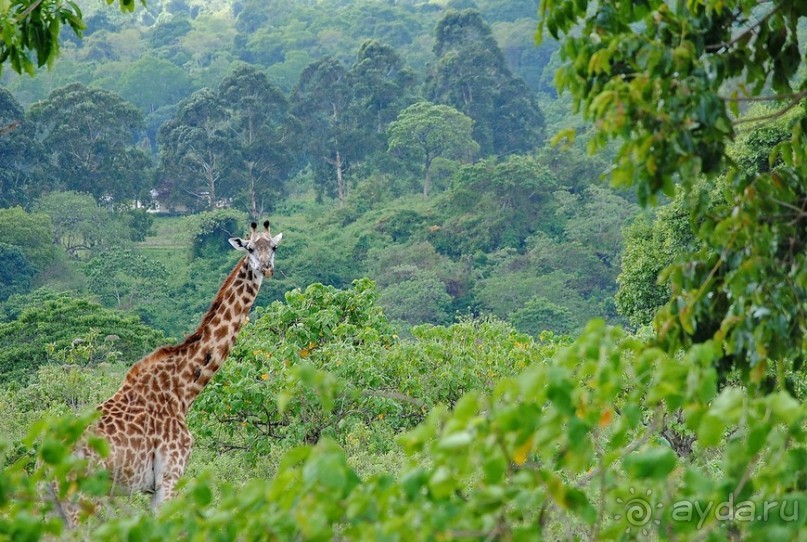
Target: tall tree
pixel 30 233
pixel 382 86
pixel 16 271
pixel 321 101
pixel 93 138
pixel 426 131
pixel 124 279
pixel 266 134
pixel 472 76
pixel 196 152
pixel 20 154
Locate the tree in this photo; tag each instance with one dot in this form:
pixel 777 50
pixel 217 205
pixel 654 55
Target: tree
pixel 652 243
pixel 471 75
pixel 79 225
pixel 15 271
pixel 539 315
pixel 596 219
pixel 382 87
pixel 754 237
pixel 20 154
pixel 267 136
pixel 426 131
pixel 93 139
pixel 321 100
pixel 30 233
pixel 494 204
pixel 151 83
pixel 124 279
pixel 197 152
pixel 421 299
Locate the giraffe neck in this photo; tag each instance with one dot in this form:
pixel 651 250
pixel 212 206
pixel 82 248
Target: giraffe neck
pixel 207 348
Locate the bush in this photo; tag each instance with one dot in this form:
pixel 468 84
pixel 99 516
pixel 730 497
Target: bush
pixel 87 334
pixel 327 363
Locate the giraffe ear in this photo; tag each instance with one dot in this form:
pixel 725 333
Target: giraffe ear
pixel 238 243
pixel 277 238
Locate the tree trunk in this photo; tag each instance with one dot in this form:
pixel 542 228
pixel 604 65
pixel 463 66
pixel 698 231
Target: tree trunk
pixel 340 181
pixel 427 178
pixel 253 196
pixel 210 173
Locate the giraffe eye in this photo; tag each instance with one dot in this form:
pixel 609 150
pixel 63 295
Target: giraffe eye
pixel 250 249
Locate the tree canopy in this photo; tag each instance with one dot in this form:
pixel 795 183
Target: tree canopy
pixel 426 131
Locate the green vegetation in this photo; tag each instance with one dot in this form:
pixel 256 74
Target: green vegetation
pixel 50 327
pixel 467 335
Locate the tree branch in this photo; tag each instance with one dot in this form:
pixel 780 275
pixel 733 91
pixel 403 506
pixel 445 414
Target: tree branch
pixel 775 98
pixel 654 428
pixel 793 103
pixel 21 17
pixel 8 128
pixel 749 30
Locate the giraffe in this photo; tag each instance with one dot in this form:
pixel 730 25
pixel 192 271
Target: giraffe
pixel 144 421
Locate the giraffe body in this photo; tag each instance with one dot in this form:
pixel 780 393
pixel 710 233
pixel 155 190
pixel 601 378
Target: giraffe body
pixel 144 421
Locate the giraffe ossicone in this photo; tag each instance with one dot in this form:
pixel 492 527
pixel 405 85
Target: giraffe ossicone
pixel 144 421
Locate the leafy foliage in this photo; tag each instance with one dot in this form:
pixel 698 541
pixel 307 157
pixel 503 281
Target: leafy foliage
pixel 208 232
pixel 683 56
pixel 15 271
pixel 80 225
pixel 100 155
pixel 195 152
pixel 45 459
pixel 20 154
pixel 495 204
pixel 123 279
pixel 29 338
pixel 33 29
pixel 475 430
pixel 427 131
pixel 267 136
pixel 471 75
pixel 29 233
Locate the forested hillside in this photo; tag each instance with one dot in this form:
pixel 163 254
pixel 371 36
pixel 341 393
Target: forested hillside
pixel 499 311
pixel 405 143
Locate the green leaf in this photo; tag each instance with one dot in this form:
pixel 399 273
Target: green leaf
pixel 710 430
pixel 651 462
pixel 784 407
pixel 441 483
pixel 413 481
pixel 728 406
pixel 53 452
pixel 456 441
pixel 494 468
pixel 201 494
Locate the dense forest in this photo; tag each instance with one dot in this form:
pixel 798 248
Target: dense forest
pixel 542 272
pixel 409 147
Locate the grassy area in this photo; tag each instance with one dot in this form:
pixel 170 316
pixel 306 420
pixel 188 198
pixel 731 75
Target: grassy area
pixel 167 234
pixel 167 245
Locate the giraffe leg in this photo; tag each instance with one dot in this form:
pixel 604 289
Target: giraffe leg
pixel 67 511
pixel 159 480
pixel 168 469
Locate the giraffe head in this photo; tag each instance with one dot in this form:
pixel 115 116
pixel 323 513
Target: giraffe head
pixel 260 248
